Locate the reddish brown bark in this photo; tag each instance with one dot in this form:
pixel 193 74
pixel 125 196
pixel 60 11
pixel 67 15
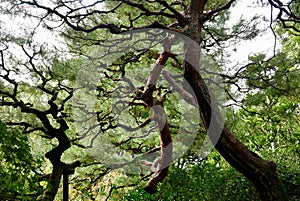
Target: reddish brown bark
pixel 261 173
pixel 159 117
pixel 166 150
pixel 258 171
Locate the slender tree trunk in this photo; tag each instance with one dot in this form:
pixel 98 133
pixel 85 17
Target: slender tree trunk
pixel 65 186
pixel 261 173
pixel 159 117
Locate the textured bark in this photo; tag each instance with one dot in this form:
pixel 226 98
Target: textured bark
pixel 166 150
pixel 159 117
pixel 261 173
pixel 258 171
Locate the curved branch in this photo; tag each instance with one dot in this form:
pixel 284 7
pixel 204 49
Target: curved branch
pixel 219 9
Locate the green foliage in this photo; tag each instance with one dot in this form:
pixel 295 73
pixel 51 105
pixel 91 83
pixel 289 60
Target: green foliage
pixel 139 194
pixel 18 169
pixel 271 129
pixel 210 179
pixel 269 125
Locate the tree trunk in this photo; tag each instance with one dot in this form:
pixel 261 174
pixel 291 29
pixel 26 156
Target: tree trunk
pixel 261 173
pixel 258 171
pixel 59 168
pixel 159 117
pixel 53 184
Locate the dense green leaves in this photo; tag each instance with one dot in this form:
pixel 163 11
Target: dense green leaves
pixel 19 175
pixel 209 179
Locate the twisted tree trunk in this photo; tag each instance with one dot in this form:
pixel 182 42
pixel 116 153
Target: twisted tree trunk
pixel 159 117
pixel 261 173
